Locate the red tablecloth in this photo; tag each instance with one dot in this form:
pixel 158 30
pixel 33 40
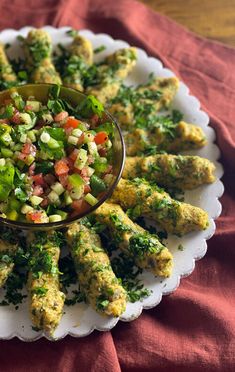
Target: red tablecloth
pixel 192 329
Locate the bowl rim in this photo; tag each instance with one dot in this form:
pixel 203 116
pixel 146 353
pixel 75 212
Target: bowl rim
pixel 61 224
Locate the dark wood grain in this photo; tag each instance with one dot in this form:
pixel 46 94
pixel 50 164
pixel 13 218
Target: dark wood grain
pixel 214 19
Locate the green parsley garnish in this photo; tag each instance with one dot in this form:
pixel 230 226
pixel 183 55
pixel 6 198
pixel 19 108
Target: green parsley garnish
pixel 100 49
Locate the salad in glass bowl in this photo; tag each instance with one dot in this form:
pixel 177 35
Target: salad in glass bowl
pixel 61 154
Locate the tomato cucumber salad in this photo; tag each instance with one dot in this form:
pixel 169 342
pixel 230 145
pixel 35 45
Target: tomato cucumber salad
pixel 55 159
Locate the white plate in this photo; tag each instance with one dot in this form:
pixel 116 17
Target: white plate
pixel 80 320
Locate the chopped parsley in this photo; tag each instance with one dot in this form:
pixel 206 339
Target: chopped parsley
pixel 118 223
pixel 127 272
pixel 102 302
pixel 41 254
pixel 16 279
pixel 100 49
pixel 144 243
pixel 72 32
pixel 39 291
pixel 180 247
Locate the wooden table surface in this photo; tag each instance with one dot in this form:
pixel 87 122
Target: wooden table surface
pixel 214 19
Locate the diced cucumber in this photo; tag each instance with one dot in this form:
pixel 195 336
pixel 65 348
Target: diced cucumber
pixel 77 132
pixel 73 140
pixel 92 148
pixel 26 209
pixel 29 160
pixel 108 145
pixel 55 218
pixel 18 100
pixel 20 164
pixel 100 165
pixel 32 136
pixel 67 198
pixel 35 200
pixel 77 192
pixel 81 159
pixel 47 118
pixel 63 214
pixel 90 171
pixel 17 147
pixel 75 180
pixel 90 199
pixel 97 185
pixel 6 139
pixel 10 161
pixel 88 137
pixel 53 197
pixel 6 152
pixel 53 144
pixel 2 162
pixel 34 105
pixel 13 215
pixel 25 118
pixel 23 138
pixel 58 188
pixel 82 127
pixel 14 204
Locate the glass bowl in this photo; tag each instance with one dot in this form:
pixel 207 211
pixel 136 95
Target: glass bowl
pixel 40 92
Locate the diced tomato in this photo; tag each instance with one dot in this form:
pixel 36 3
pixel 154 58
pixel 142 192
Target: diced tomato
pixel 31 169
pixel 28 108
pixel 80 206
pixel 49 179
pixel 35 216
pixel 44 203
pixel 29 148
pixel 40 124
pixel 70 164
pixel 61 167
pixel 86 179
pixel 26 148
pixel 71 123
pixel 102 152
pixel 16 118
pixel 22 156
pixel 38 190
pixel 76 170
pixel 81 139
pixel 73 156
pixel 39 180
pixel 64 180
pixel 100 138
pixel 90 159
pixel 68 131
pixel 84 172
pixel 61 116
pixel 94 120
pixel 87 189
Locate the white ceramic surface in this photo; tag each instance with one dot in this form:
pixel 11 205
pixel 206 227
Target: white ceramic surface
pixel 80 320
